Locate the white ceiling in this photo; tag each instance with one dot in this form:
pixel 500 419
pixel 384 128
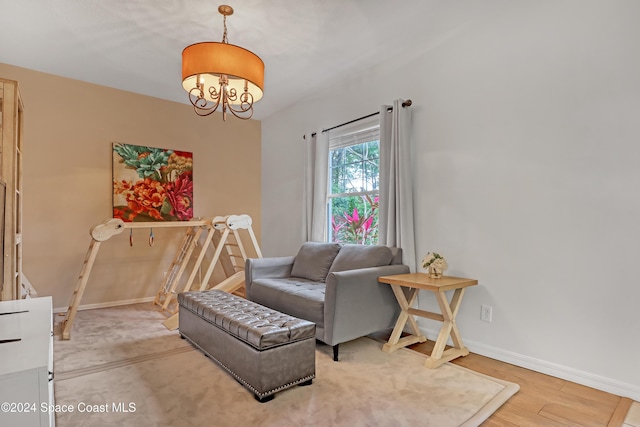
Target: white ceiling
pixel 136 45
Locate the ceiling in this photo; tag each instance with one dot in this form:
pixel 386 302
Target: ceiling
pixel 136 45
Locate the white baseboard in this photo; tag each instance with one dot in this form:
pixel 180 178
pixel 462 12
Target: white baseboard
pixel 559 371
pixel 106 304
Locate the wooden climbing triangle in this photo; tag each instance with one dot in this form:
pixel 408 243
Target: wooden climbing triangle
pixel 229 253
pixel 220 233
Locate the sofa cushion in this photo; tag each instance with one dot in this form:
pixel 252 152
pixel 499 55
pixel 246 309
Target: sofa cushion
pixel 397 256
pixel 300 298
pixel 314 260
pixel 353 257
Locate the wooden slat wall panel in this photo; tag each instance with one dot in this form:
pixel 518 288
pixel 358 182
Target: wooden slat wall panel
pixel 11 174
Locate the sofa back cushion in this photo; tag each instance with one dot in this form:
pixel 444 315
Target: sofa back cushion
pixel 397 256
pixel 314 260
pixel 352 257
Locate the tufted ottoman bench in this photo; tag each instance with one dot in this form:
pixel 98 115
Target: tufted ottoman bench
pixel 265 350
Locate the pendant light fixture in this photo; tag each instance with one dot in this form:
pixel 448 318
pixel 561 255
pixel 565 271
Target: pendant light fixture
pixel 219 74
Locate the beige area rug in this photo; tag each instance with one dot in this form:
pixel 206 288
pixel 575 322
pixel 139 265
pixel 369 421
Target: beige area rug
pixel 124 359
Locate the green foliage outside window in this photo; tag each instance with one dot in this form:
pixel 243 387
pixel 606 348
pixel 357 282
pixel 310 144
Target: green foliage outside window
pixel 353 199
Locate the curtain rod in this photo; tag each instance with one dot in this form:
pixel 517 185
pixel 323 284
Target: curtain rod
pixel 406 103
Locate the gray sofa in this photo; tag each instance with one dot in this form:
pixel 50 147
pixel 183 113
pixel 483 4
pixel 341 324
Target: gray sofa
pixel 333 285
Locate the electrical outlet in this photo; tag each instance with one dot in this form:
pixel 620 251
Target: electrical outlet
pixel 486 313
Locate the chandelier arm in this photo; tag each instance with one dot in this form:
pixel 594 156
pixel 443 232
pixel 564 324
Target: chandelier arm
pixel 232 95
pixel 245 109
pixel 241 114
pixel 245 105
pixel 201 104
pixel 242 111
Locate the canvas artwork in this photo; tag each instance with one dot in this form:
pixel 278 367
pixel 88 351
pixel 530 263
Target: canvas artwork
pixel 152 184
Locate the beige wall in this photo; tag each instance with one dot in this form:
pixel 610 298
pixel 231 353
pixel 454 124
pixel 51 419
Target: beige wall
pixel 69 128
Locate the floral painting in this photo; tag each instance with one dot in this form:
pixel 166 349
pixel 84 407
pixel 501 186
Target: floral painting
pixel 152 184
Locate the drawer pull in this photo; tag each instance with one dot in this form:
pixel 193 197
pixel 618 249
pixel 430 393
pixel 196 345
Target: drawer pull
pixel 14 312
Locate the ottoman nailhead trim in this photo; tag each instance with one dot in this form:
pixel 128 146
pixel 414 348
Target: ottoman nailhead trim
pixel 246 384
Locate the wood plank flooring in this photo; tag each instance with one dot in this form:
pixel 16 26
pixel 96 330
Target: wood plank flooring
pixel 543 400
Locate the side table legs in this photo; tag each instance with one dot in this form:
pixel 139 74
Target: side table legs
pixel 449 328
pixel 395 342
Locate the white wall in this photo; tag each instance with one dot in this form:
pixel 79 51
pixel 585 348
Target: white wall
pixel 526 137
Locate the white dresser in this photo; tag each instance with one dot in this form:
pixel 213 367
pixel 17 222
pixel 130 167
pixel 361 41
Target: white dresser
pixel 26 363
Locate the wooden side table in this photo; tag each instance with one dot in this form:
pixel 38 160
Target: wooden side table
pixel 449 310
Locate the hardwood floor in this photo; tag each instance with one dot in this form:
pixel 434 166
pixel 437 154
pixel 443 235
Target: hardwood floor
pixel 543 400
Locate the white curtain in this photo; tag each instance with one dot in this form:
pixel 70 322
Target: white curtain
pixel 396 226
pixel 315 186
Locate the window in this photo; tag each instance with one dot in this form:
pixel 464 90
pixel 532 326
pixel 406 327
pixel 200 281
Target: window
pixel 353 185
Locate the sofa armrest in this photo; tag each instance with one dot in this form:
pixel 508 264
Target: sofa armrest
pixel 356 304
pixel 273 267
